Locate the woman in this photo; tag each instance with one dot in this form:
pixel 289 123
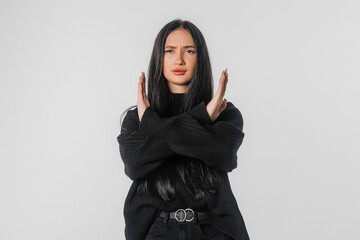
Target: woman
pixel 179 144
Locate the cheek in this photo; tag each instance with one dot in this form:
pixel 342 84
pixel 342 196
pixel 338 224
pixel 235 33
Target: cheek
pixel 193 64
pixel 193 61
pixel 166 65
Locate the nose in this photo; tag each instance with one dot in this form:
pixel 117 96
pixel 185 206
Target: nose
pixel 179 59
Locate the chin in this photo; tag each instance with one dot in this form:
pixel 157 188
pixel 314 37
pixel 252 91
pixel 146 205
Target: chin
pixel 180 81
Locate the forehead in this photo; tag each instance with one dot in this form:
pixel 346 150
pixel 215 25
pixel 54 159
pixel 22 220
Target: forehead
pixel 179 37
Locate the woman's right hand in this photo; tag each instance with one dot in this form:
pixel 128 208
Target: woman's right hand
pixel 142 100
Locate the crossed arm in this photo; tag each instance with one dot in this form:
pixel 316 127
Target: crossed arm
pixel 145 145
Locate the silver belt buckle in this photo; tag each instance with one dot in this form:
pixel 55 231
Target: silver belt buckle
pixel 184 212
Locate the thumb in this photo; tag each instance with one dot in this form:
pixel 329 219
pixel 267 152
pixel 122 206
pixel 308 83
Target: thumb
pixel 223 105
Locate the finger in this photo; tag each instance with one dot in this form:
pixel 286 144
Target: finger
pixel 226 75
pixel 223 85
pixel 223 105
pixel 141 85
pixel 140 88
pixel 144 87
pixel 226 82
pixel 219 90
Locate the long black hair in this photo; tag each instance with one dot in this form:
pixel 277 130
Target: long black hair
pixel 197 176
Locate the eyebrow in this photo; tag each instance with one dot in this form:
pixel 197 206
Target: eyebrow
pixel 187 46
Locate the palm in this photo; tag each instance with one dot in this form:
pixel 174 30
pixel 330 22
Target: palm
pixel 218 103
pixel 142 100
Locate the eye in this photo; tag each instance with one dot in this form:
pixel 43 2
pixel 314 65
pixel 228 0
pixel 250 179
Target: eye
pixel 191 51
pixel 168 50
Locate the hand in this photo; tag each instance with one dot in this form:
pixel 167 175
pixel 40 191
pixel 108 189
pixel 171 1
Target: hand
pixel 142 100
pixel 217 104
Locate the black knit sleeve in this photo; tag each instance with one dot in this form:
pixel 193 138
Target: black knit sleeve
pixel 193 134
pixel 140 152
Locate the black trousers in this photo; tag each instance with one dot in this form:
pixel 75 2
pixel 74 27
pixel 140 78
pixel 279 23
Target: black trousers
pixel 165 228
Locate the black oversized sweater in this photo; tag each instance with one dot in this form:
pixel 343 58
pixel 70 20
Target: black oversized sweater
pixel 147 145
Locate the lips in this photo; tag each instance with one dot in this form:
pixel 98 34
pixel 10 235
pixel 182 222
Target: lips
pixel 179 71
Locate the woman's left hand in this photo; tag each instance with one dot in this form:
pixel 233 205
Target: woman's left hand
pixel 217 104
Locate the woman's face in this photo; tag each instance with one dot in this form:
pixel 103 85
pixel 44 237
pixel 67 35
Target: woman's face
pixel 179 53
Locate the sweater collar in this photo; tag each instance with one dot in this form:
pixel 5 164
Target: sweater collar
pixel 177 100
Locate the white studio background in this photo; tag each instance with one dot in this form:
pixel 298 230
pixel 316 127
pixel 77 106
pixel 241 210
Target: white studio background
pixel 68 69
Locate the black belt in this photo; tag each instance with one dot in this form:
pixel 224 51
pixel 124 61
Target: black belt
pixel 184 215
